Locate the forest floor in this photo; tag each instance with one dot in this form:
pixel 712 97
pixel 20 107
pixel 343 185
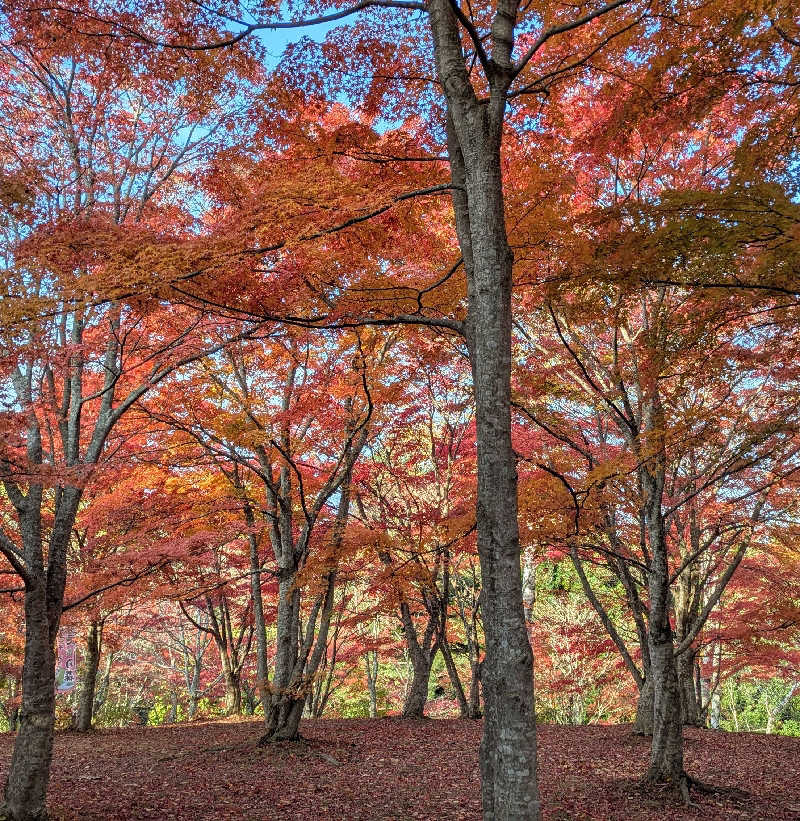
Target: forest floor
pixel 382 769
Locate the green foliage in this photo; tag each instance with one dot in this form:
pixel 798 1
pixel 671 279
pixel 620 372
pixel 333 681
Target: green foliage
pixel 760 706
pixel 352 701
pixel 114 714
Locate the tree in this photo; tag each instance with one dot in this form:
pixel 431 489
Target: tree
pixel 473 52
pixel 286 431
pixel 681 464
pixel 416 501
pixel 95 142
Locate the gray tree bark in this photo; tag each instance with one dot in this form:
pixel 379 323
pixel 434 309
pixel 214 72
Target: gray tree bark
pixel 645 704
pixel 508 749
pixel 371 667
pixel 666 752
pixel 89 678
pixel 298 658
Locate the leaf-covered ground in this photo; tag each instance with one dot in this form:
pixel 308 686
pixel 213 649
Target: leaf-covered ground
pixel 393 769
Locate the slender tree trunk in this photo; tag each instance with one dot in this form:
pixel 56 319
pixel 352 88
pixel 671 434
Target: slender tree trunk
pixel 475 690
pixel 101 692
pixel 172 714
pixel 191 710
pixel 643 724
pixel 262 670
pixel 371 666
pixel 249 699
pixel 26 784
pixel 474 135
pixel 715 711
pixel 508 748
pixel 690 707
pixel 13 714
pixel 455 679
pixel 732 699
pixel 89 679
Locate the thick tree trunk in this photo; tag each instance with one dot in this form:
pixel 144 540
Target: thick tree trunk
pixel 666 755
pixel 233 693
pixel 280 721
pixel 283 722
pixel 666 752
pixel 417 697
pixel 88 679
pixel 26 785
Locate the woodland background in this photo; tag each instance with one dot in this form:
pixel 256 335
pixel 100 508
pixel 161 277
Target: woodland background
pixel 236 409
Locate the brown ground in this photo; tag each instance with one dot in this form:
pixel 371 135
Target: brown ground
pixel 358 770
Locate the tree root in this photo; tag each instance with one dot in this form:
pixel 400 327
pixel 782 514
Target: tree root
pixel 277 738
pixel 684 786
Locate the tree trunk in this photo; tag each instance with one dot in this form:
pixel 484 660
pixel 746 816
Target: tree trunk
pixel 644 708
pixel 249 699
pixel 233 693
pixel 13 713
pixel 508 748
pixel 26 785
pixel 691 713
pixel 172 714
pixel 666 753
pixel 474 135
pixel 455 679
pixel 101 692
pixel 371 665
pixel 283 722
pixel 716 709
pixel 191 710
pixel 89 679
pixel 262 670
pixel 417 697
pixel 282 701
pixel 194 686
pixel 13 720
pixel 475 690
pixel 25 797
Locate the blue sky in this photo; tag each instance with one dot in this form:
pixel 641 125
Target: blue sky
pixel 276 41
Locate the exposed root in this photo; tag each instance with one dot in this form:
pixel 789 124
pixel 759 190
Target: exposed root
pixel 683 788
pixel 276 738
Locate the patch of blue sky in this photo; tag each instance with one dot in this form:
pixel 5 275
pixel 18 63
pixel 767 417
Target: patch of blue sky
pixel 275 41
